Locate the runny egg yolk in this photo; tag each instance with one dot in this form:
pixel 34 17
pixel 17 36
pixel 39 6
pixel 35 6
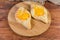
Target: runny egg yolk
pixel 22 14
pixel 38 11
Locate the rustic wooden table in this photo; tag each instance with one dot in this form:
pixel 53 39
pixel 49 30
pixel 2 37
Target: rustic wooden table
pixel 53 33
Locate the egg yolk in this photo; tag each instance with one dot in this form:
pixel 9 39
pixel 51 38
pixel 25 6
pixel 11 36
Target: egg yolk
pixel 38 11
pixel 22 15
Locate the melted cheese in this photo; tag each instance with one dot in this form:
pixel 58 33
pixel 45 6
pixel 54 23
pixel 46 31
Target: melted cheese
pixel 22 14
pixel 39 11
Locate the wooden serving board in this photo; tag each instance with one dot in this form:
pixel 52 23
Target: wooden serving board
pixel 38 27
pixel 53 33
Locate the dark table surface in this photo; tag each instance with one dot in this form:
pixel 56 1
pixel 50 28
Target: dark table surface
pixel 53 33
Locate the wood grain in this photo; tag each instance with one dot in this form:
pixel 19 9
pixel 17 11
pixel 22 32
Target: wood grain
pixel 53 33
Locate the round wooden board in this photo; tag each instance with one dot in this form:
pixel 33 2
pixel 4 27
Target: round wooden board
pixel 38 27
